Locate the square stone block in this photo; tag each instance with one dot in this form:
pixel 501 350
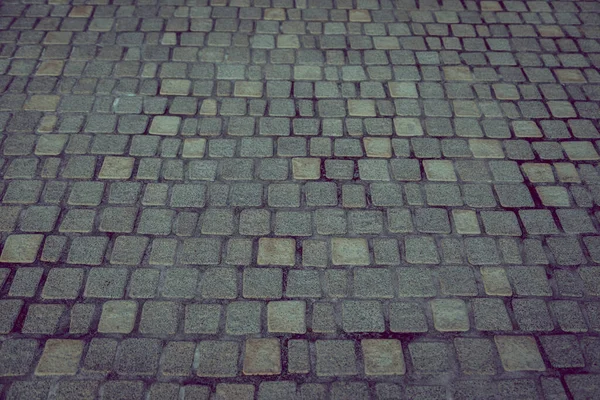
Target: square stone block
pixel 519 353
pixel 116 168
pixel 118 316
pixel 21 249
pixel 276 252
pixel 286 316
pixel 165 125
pixel 306 168
pixel 262 357
pixel 378 147
pixel 450 315
pixel 346 251
pixel 336 358
pixel 248 89
pixel 383 357
pixel 218 359
pixel 60 357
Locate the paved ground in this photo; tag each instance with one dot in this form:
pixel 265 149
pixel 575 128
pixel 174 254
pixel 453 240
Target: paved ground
pixel 278 199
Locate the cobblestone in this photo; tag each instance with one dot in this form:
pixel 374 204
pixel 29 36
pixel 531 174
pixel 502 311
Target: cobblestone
pixel 60 357
pixel 218 358
pixel 430 357
pixel 262 357
pixel 336 357
pixel 519 353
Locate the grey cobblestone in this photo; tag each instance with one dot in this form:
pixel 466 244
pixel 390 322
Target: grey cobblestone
pixel 43 318
pixel 25 282
pixel 243 318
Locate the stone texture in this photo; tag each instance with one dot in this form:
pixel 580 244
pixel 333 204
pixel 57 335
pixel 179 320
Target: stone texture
pixel 336 358
pixel 21 249
pixel 138 356
pixel 268 195
pixel 450 315
pixel 17 357
pixel 60 357
pixel 349 251
pixel 519 353
pixel 286 316
pixel 262 357
pixel 276 252
pixel 118 316
pixel 218 358
pixel 383 357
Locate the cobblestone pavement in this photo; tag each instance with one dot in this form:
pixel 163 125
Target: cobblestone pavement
pixel 279 199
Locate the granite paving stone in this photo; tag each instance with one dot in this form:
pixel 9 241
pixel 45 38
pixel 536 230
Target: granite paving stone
pixel 336 358
pixel 430 357
pixel 476 356
pixel 362 316
pixel 383 357
pixel 118 316
pixel 243 317
pixel 106 283
pixel 159 318
pixel 491 315
pixel 219 283
pixel 100 355
pixel 563 351
pixel 17 357
pixel 11 309
pixel 262 357
pixel 202 318
pixel 60 357
pixel 303 199
pixel 43 318
pixel 21 248
pixel 519 353
pixel 138 356
pixel 450 315
pixel 218 358
pixel 286 316
pixel 63 283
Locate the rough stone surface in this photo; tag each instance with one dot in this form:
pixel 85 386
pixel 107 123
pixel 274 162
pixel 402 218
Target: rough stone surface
pixel 299 199
pixel 60 357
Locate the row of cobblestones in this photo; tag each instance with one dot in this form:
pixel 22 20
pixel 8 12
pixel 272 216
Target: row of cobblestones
pixel 169 319
pixel 326 221
pixel 245 150
pixel 133 356
pixel 416 249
